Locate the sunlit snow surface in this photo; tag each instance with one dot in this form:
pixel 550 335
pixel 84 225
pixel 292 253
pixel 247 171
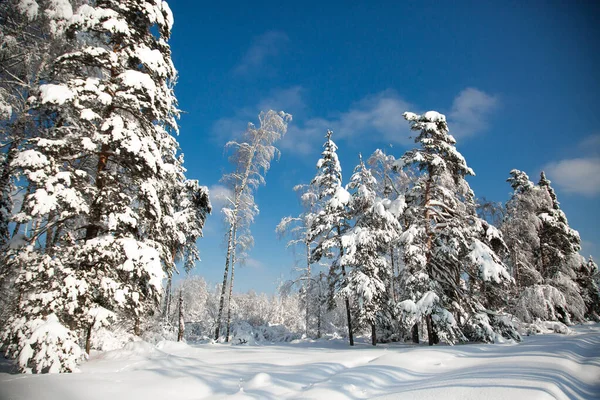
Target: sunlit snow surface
pixel 541 367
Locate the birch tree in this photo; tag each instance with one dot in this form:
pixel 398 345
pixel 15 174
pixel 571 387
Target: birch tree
pixel 252 157
pixel 298 228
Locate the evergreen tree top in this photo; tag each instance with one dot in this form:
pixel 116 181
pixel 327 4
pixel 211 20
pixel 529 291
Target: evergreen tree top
pixel 438 152
pixel 519 181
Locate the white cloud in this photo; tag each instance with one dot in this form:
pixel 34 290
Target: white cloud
pixel 470 112
pixel 376 118
pixel 263 47
pixel 289 100
pixel 576 175
pixel 253 263
pixel 219 196
pixel 591 144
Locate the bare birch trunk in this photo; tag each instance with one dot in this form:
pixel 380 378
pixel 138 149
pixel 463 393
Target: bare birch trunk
pixel 181 321
pixel 224 287
pixel 308 277
pixel 231 285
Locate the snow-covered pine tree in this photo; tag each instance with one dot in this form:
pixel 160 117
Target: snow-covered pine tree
pixel 445 251
pixel 331 221
pixel 391 184
pixel 520 227
pixel 252 157
pixel 365 247
pixel 32 35
pixel 543 253
pixel 587 278
pixel 559 257
pixel 102 181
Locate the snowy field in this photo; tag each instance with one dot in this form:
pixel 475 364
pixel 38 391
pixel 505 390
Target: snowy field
pixel 549 366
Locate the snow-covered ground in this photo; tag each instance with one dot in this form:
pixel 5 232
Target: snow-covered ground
pixel 541 367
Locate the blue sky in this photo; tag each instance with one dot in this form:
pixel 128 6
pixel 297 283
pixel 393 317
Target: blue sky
pixel 518 82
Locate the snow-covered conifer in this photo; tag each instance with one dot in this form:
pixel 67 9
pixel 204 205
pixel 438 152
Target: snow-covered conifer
pixel 446 253
pixel 365 247
pixel 587 276
pixel 332 220
pixel 104 177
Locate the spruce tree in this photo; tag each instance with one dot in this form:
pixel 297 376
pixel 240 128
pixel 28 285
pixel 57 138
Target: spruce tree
pixel 448 252
pixel 331 222
pixel 365 246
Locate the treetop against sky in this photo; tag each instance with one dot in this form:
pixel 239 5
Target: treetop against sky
pixel 518 85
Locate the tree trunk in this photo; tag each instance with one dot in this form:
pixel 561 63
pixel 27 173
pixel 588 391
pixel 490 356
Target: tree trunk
pixel 96 209
pixel 4 186
pixel 429 329
pixel 392 285
pixel 308 281
pixel 319 304
pixel 167 306
pixel 181 321
pixel 88 338
pixel 373 334
pixel 224 287
pixel 348 316
pixel 231 285
pixel 18 224
pixel 415 333
pixel 136 326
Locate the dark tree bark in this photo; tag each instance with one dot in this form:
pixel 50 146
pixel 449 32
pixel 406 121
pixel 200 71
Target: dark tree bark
pixel 373 334
pixel 415 333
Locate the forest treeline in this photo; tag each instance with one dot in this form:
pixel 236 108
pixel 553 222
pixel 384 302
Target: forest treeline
pixel 96 213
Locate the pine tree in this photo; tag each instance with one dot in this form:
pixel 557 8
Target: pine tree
pixel 444 240
pixel 559 256
pixel 587 280
pixel 103 178
pixel 520 229
pixel 365 247
pixel 331 221
pixel 543 253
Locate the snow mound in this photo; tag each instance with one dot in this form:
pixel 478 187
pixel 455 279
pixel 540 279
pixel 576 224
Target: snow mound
pixel 170 346
pixel 258 381
pixel 132 350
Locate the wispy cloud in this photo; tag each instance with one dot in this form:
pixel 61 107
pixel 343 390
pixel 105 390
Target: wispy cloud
pixel 289 100
pixel 591 144
pixel 576 175
pixel 253 263
pixel 376 118
pixel 470 112
pixel 219 196
pixel 580 175
pixel 263 48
